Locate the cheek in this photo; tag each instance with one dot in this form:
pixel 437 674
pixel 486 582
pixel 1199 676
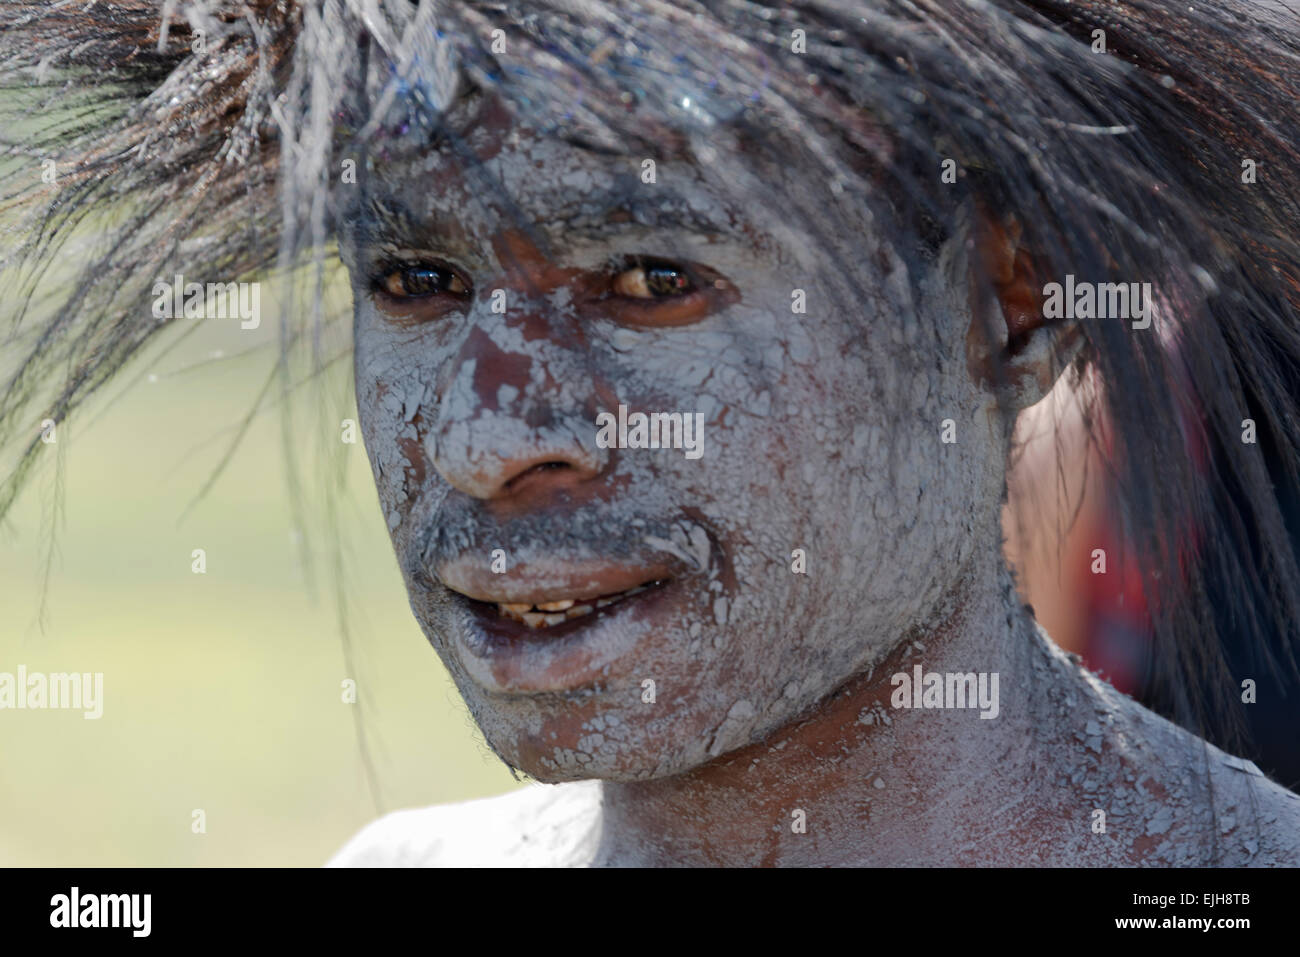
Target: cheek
pixel 810 500
pixel 391 403
pixel 780 486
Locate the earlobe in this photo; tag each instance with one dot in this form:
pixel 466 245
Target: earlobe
pixel 1012 349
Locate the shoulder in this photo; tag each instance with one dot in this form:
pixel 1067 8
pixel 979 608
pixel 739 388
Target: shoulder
pixel 1171 798
pixel 1227 805
pixel 1206 798
pixel 1257 819
pixel 540 825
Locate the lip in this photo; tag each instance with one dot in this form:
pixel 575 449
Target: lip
pixel 508 657
pixel 549 580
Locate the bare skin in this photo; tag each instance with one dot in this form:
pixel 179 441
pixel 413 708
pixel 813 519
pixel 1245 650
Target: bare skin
pixel 771 686
pixel 925 789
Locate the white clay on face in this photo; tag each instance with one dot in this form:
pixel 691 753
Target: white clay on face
pixel 821 430
pixel 823 434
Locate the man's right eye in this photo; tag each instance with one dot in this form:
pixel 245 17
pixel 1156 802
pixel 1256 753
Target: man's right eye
pixel 420 281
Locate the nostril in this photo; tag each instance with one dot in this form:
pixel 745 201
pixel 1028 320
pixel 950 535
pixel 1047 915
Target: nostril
pixel 535 471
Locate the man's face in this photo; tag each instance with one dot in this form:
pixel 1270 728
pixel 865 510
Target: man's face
pixel 822 516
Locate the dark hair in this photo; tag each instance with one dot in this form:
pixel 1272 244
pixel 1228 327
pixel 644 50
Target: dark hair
pixel 1115 134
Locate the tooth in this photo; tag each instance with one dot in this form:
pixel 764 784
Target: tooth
pixel 514 608
pixel 533 619
pixel 602 602
pixel 577 611
pixel 563 604
pixel 634 591
pixel 554 619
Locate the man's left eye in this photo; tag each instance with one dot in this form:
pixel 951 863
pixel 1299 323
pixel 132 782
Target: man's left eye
pixel 652 279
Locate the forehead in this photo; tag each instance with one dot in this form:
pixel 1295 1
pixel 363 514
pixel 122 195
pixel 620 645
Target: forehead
pixel 491 173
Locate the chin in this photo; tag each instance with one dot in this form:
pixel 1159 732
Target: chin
pixel 573 737
pixel 632 691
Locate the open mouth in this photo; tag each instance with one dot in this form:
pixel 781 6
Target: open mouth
pixel 558 623
pixel 548 614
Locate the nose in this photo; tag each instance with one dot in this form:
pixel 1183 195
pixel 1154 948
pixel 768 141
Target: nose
pixel 497 435
pixel 506 427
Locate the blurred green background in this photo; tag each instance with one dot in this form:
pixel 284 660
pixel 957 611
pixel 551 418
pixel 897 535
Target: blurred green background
pixel 222 691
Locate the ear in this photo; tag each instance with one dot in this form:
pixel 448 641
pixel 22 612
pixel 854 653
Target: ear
pixel 1011 349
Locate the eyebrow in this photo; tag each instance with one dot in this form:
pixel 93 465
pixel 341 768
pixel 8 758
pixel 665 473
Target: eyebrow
pixel 389 221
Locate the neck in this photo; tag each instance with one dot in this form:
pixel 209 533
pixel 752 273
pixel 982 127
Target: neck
pixel 859 780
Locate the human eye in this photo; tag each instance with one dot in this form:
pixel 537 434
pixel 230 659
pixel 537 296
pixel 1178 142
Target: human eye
pixel 641 277
pixel 420 280
pixel 652 291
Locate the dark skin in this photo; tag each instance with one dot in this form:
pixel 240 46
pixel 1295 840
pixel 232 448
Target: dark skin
pixel 769 687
